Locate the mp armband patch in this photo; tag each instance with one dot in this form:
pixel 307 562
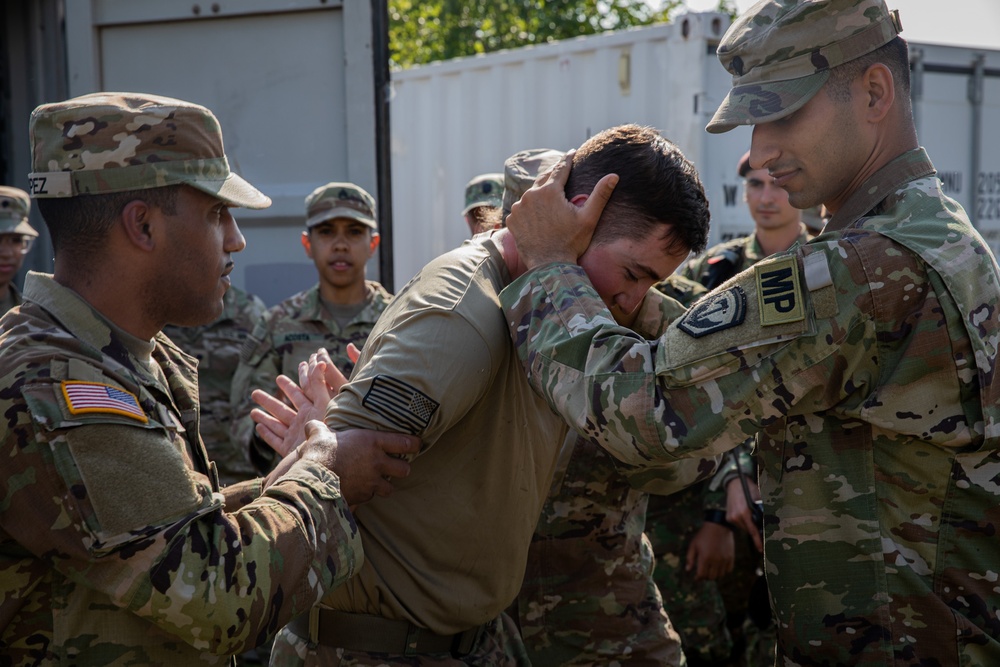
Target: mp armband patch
pixel 715 312
pixel 779 291
pixel 96 397
pixel 407 407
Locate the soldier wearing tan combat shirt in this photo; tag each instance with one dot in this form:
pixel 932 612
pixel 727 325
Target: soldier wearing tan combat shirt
pixel 445 556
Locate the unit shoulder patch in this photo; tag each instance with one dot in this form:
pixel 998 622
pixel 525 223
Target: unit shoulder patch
pixel 779 291
pixel 715 312
pixel 97 397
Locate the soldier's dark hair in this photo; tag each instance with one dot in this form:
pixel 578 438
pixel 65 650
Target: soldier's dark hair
pixel 79 225
pixel 894 54
pixel 657 187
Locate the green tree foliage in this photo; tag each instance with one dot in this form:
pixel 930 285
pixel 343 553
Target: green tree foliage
pixel 422 31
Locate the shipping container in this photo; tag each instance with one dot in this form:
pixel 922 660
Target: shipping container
pixel 455 119
pixel 293 83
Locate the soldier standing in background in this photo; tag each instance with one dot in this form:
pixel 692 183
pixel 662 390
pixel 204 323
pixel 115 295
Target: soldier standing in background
pixel 482 203
pixel 588 597
pixel 119 547
pixel 341 236
pixel 16 237
pixel 217 347
pixel 705 575
pixel 865 361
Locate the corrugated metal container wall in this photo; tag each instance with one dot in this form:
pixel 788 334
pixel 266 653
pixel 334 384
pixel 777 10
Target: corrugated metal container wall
pixel 291 81
pixel 956 93
pixel 456 119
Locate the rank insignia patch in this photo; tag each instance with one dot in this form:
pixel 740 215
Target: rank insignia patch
pixel 408 408
pixel 89 397
pixel 778 291
pixel 715 312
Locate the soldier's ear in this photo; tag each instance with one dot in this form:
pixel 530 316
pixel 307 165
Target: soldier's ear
pixel 137 223
pixel 307 244
pixel 373 244
pixel 880 91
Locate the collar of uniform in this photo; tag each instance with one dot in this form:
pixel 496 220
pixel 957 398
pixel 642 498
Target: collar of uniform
pixel 496 256
pixel 313 311
pixel 890 178
pixel 79 317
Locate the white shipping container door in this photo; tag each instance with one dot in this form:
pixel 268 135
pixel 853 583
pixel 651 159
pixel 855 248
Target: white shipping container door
pixel 956 95
pixel 291 82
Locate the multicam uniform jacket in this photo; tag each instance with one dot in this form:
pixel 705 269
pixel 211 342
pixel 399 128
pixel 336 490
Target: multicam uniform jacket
pixel 217 347
pixel 285 336
pixel 116 545
pixel 866 361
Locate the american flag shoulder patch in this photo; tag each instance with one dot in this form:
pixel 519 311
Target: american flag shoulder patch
pixel 89 397
pixel 405 406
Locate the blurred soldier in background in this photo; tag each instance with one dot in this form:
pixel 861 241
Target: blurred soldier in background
pixel 16 237
pixel 482 202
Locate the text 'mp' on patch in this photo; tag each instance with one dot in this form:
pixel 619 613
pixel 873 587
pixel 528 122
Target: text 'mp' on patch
pixel 779 292
pixel 96 397
pixel 405 406
pixel 716 312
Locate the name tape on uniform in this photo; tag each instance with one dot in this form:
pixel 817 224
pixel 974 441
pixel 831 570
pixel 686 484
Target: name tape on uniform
pixel 779 293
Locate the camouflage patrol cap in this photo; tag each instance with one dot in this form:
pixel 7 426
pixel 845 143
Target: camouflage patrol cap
pixel 14 208
pixel 483 190
pixel 520 171
pixel 340 200
pixel 780 53
pixel 115 142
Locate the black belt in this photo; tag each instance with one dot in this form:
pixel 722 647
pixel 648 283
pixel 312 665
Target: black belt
pixel 374 634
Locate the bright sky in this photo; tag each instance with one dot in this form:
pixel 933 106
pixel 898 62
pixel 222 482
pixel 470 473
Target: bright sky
pixel 955 22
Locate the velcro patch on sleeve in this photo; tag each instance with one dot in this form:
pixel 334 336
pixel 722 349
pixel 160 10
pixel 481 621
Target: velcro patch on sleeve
pixel 97 397
pixel 716 312
pixel 779 292
pixel 405 406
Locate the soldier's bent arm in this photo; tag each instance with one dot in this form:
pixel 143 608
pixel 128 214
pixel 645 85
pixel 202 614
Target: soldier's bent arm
pixel 727 368
pixel 113 507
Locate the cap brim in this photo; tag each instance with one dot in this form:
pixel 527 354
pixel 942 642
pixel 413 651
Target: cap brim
pixel 764 102
pixel 340 212
pixel 493 203
pixel 16 226
pixel 234 190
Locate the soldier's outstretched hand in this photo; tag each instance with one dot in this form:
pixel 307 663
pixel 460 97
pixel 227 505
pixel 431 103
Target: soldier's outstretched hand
pixel 550 228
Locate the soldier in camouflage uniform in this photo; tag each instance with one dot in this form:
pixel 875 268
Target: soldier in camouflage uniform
pixel 588 596
pixel 16 237
pixel 446 554
pixel 340 309
pixel 864 361
pixel 119 547
pixel 483 196
pixel 217 347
